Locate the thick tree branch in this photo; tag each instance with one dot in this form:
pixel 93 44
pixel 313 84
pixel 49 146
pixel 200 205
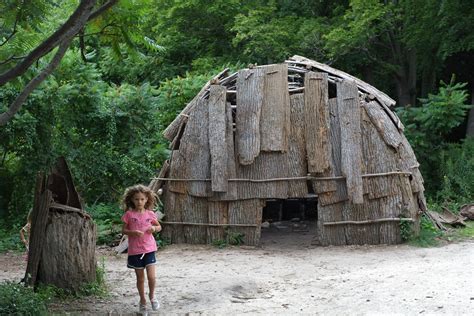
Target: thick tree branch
pixel 103 8
pixel 20 99
pixel 63 38
pixel 79 17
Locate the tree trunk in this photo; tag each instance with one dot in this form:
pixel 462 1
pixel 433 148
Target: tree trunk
pixel 470 121
pixel 68 257
pixel 63 237
pixel 406 80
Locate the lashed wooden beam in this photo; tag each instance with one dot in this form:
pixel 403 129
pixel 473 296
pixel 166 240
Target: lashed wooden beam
pixel 217 139
pixel 250 83
pixel 351 150
pixel 316 115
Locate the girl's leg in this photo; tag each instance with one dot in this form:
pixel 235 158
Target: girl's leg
pixel 150 274
pixel 141 284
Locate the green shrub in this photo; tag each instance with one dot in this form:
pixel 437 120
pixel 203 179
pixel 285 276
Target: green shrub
pixel 428 128
pixel 429 234
pixel 457 172
pixel 16 299
pixel 107 218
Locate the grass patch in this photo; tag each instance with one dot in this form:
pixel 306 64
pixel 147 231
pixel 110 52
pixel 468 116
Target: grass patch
pixel 16 299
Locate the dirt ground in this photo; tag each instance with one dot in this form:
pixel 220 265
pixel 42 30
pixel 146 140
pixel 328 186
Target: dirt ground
pixel 288 276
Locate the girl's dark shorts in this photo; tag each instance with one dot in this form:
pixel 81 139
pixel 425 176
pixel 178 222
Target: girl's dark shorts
pixel 141 261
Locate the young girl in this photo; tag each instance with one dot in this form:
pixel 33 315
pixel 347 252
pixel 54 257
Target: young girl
pixel 25 233
pixel 139 224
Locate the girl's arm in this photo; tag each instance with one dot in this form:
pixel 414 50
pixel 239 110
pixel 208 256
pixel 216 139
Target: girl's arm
pixel 129 232
pixel 156 227
pixel 22 236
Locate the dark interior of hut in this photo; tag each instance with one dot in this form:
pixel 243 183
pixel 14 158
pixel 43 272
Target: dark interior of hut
pixel 290 221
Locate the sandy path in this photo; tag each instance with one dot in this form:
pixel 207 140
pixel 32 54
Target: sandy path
pixel 304 280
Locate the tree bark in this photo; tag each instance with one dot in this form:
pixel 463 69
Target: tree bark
pixel 470 121
pixel 405 80
pixel 62 37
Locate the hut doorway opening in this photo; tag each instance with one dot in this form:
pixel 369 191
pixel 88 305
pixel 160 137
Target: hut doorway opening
pixel 289 221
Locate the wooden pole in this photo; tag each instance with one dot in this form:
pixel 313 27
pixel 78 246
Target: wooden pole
pixel 369 221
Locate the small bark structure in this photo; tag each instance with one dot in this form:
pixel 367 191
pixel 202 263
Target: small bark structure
pixel 285 131
pixel 63 236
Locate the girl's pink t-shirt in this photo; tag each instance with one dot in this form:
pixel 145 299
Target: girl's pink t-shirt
pixel 140 221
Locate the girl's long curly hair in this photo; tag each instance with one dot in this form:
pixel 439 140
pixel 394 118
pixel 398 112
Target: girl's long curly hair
pixel 127 202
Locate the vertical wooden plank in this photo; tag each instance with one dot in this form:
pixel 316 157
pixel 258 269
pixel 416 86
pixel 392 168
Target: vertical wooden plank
pixel 39 220
pixel 195 210
pixel 317 123
pixel 297 166
pixel 331 235
pixel 268 165
pixel 178 170
pixel 217 143
pixel 275 116
pixel 231 193
pixel 217 214
pixel 351 156
pixel 195 151
pixel 332 191
pixel 246 212
pixel 250 84
pixel 173 209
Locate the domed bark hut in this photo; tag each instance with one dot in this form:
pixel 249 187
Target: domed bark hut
pixel 289 131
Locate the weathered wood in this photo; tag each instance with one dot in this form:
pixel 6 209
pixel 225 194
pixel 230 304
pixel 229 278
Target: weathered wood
pixel 330 235
pixel 195 210
pixel 370 221
pixel 331 192
pixel 68 257
pixel 317 125
pixel 174 145
pixel 231 193
pixel 297 166
pixel 178 170
pixel 246 212
pixel 384 99
pixel 173 209
pixel 156 184
pixel 39 221
pixel 383 124
pixel 172 130
pixel 250 89
pixel 217 139
pixel 217 215
pixel 65 190
pixel 195 152
pixel 268 165
pixel 378 158
pixel 351 156
pixel 67 208
pixel 407 161
pixel 275 115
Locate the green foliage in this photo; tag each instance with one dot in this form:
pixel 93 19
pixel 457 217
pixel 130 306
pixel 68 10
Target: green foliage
pixel 107 218
pixel 429 235
pixel 219 243
pixel 98 287
pixel 427 128
pixel 457 172
pixel 406 230
pixel 234 238
pixel 16 299
pixel 10 239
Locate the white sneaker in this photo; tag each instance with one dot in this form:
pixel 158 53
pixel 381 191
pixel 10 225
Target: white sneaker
pixel 142 309
pixel 155 305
